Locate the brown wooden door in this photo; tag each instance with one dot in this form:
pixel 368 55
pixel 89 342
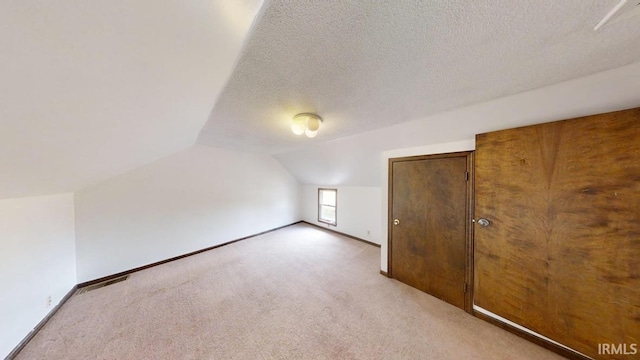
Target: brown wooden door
pixel 561 255
pixel 428 242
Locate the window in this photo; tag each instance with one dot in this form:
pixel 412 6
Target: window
pixel 327 205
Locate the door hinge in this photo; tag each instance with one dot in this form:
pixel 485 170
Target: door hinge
pixel 465 287
pixel 466 176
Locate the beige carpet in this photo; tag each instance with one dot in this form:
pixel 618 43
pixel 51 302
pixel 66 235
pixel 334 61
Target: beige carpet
pixel 296 293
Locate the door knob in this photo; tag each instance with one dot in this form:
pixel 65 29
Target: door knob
pixel 484 222
pixel 396 222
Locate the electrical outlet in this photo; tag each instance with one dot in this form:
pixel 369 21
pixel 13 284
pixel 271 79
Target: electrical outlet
pixel 49 301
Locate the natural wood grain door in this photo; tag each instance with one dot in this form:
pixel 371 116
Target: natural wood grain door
pixel 428 229
pixel 561 255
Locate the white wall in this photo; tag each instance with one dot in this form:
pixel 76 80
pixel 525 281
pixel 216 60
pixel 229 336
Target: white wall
pixel 361 160
pixel 358 212
pixel 188 201
pixel 37 261
pixel 354 160
pixel 465 145
pixel 119 84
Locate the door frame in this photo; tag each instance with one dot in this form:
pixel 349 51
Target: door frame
pixel 469 155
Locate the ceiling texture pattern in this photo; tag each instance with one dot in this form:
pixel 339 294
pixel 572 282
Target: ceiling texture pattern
pixel 358 160
pixel 93 89
pixel 364 65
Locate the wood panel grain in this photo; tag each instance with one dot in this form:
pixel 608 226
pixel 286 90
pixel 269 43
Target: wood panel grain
pixel 429 245
pixel 562 254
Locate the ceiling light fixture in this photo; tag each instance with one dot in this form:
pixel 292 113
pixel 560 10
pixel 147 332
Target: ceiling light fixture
pixel 306 123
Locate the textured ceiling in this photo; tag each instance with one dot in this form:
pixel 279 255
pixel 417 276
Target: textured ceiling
pixel 91 89
pixel 356 160
pixel 363 65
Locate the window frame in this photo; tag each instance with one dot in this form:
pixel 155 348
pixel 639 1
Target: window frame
pixel 320 204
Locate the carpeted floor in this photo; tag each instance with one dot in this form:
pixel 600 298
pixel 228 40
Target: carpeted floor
pixel 296 293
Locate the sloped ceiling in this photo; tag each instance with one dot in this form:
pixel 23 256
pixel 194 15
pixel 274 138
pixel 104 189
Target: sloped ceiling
pixel 365 65
pixel 91 89
pixel 96 88
pixel 357 160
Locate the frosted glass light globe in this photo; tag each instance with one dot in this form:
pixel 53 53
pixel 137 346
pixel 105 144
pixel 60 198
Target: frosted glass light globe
pixel 313 123
pixel 306 123
pixel 298 125
pixel 311 134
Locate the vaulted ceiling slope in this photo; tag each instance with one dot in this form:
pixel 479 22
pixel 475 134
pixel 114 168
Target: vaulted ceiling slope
pixel 91 89
pixel 357 160
pixel 365 65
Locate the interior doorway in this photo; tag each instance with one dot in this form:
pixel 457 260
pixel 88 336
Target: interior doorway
pixel 430 239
